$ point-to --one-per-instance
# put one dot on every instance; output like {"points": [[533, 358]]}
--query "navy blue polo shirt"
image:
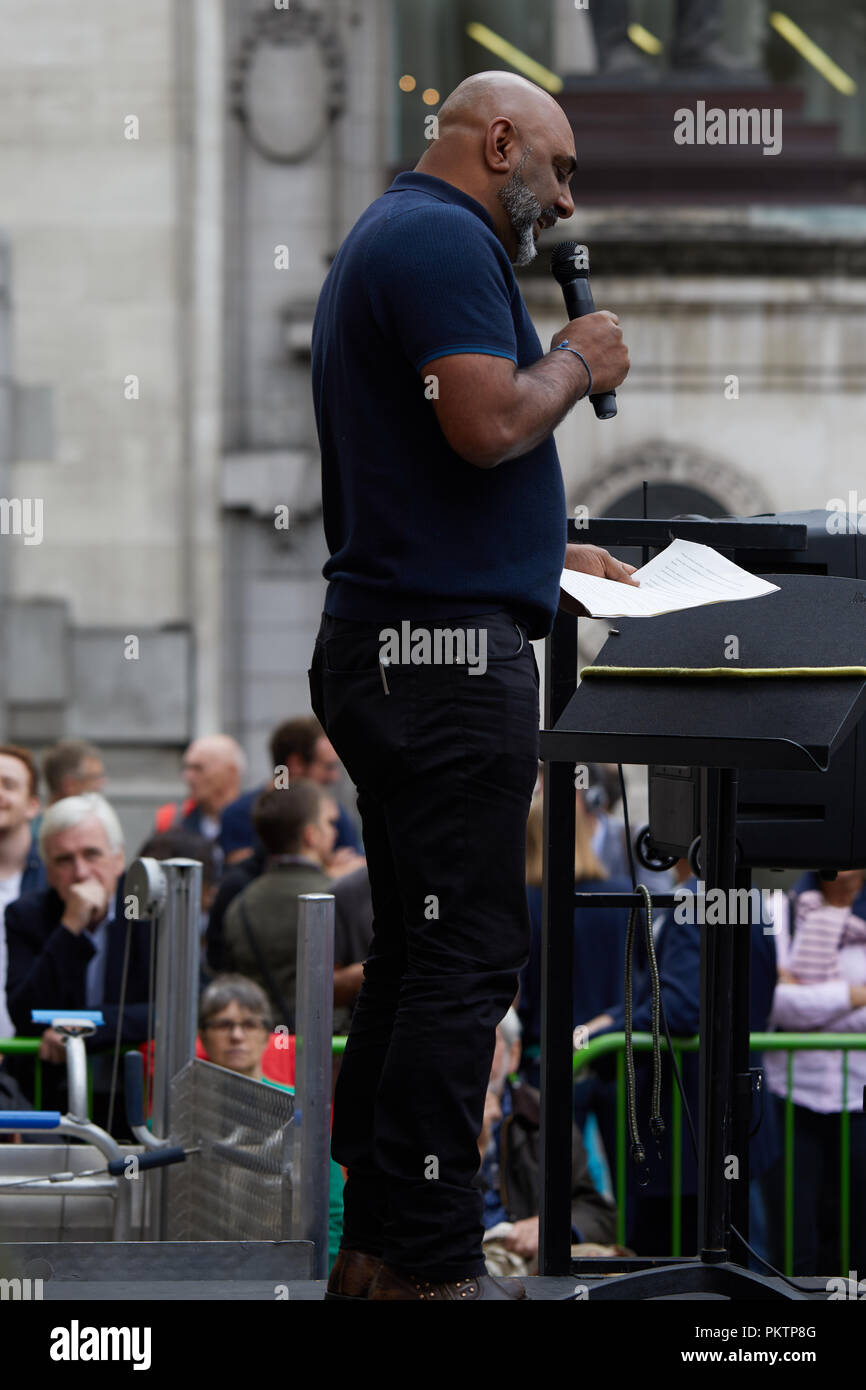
{"points": [[413, 530]]}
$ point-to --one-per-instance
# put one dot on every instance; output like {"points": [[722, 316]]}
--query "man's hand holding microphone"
{"points": [[598, 339]]}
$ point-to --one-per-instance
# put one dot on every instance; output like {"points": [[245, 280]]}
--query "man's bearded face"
{"points": [[523, 210]]}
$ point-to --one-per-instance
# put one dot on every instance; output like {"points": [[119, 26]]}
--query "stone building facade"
{"points": [[177, 177]]}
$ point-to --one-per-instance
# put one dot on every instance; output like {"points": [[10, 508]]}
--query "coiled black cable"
{"points": [[638, 1151]]}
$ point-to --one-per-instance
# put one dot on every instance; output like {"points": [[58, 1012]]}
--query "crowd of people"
{"points": [[66, 943]]}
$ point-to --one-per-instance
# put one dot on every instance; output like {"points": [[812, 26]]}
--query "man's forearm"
{"points": [[348, 980], [544, 394]]}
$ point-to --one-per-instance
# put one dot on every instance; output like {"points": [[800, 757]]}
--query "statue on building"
{"points": [[696, 47]]}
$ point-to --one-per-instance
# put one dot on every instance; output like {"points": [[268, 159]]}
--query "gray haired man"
{"points": [[66, 943]]}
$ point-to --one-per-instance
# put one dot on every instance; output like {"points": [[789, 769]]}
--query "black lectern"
{"points": [[719, 724]]}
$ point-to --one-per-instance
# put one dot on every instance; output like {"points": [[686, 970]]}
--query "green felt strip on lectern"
{"points": [[756, 672]]}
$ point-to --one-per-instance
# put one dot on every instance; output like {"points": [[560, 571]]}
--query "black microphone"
{"points": [[570, 265]]}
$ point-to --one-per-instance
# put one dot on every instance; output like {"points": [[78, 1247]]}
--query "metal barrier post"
{"points": [[170, 891], [177, 976], [76, 1078], [314, 1012]]}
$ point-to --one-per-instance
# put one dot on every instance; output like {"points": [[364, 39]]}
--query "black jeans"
{"points": [[445, 764]]}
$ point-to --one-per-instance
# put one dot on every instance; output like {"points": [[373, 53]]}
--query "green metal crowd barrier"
{"points": [[759, 1042], [29, 1047], [615, 1043]]}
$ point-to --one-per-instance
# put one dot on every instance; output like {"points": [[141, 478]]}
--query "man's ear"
{"points": [[499, 131]]}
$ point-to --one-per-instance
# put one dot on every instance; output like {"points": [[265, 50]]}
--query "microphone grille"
{"points": [[569, 261]]}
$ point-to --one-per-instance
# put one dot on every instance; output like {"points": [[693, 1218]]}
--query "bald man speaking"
{"points": [[444, 514]]}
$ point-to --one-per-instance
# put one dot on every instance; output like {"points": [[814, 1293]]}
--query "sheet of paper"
{"points": [[685, 575]]}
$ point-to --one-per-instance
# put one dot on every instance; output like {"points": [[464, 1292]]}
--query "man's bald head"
{"points": [[213, 767], [508, 144], [467, 112]]}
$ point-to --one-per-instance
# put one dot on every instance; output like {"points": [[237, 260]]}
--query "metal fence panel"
{"points": [[239, 1187]]}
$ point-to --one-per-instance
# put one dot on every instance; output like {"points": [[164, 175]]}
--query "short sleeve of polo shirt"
{"points": [[437, 288]]}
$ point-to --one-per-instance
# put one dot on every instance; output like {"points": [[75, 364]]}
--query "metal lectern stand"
{"points": [[719, 724]]}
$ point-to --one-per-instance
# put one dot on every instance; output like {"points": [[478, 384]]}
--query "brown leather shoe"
{"points": [[393, 1283], [352, 1275]]}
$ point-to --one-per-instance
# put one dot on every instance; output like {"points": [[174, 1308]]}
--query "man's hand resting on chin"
{"points": [[592, 559]]}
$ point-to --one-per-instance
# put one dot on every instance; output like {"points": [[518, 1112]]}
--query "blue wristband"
{"points": [[564, 344]]}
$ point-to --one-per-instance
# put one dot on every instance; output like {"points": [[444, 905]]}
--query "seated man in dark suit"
{"points": [[66, 943]]}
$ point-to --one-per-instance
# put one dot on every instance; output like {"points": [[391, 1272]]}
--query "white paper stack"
{"points": [[685, 575]]}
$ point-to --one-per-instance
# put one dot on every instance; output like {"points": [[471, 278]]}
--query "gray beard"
{"points": [[522, 209]]}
